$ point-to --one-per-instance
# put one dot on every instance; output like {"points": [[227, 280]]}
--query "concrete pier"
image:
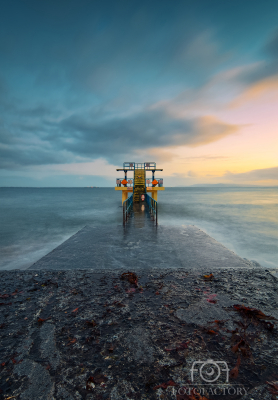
{"points": [[141, 245]]}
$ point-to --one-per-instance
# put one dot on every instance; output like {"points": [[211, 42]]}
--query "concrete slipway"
{"points": [[141, 245], [72, 328]]}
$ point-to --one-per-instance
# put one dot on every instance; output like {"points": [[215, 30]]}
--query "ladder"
{"points": [[139, 186]]}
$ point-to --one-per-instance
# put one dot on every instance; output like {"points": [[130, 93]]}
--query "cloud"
{"points": [[44, 135], [23, 153], [208, 129], [205, 157], [180, 179], [117, 82], [97, 167], [81, 80], [267, 67], [231, 88], [158, 154], [147, 129], [264, 174], [192, 174], [271, 46], [256, 90]]}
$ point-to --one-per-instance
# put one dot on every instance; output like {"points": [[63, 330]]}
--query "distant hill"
{"points": [[224, 185]]}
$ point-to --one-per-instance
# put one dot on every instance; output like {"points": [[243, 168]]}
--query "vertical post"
{"points": [[152, 177], [154, 195], [123, 214], [156, 214]]}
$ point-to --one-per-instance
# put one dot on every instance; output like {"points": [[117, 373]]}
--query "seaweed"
{"points": [[131, 277]]}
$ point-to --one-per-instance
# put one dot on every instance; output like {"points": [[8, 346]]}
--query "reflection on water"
{"points": [[138, 219]]}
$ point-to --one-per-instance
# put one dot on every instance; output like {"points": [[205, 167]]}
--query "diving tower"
{"points": [[139, 184]]}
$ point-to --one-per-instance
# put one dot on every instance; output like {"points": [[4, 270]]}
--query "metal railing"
{"points": [[133, 165], [152, 204], [129, 182], [127, 207], [128, 165], [149, 182], [139, 165], [150, 165]]}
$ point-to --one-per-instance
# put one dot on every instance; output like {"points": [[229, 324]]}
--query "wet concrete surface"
{"points": [[139, 245]]}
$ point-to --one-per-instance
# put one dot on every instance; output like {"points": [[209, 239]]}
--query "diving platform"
{"points": [[139, 184]]}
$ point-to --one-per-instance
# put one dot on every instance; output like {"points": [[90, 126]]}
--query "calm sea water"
{"points": [[36, 220]]}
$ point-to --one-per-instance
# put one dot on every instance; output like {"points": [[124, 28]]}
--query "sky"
{"points": [[87, 85]]}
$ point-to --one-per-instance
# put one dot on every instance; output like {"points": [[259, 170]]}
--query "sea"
{"points": [[33, 221]]}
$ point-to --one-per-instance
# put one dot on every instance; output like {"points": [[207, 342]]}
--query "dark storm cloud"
{"points": [[147, 129], [37, 136], [15, 156], [24, 137]]}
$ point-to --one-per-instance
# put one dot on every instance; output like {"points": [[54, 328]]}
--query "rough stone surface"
{"points": [[132, 341], [40, 385], [140, 346], [48, 348]]}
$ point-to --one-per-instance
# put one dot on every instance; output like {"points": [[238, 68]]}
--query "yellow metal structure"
{"points": [[125, 191], [153, 191], [149, 190], [139, 184]]}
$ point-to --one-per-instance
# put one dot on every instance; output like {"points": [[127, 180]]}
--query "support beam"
{"points": [[154, 194], [124, 196]]}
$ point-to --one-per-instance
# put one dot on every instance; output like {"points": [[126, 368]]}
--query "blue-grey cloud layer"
{"points": [[78, 78]]}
